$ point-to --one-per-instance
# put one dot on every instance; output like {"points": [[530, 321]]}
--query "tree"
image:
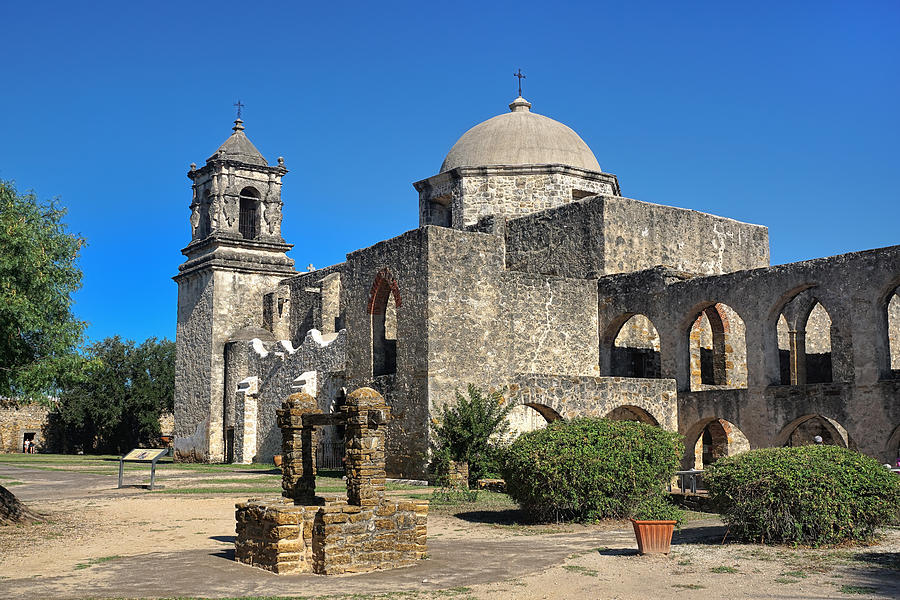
{"points": [[463, 431], [38, 274], [116, 405]]}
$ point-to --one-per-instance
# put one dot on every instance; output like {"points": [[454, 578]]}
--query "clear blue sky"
{"points": [[785, 114]]}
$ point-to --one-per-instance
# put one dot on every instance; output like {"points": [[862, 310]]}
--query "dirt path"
{"points": [[102, 542]]}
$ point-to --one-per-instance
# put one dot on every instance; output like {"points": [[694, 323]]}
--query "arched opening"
{"points": [[384, 300], [892, 450], [635, 350], [529, 417], [631, 413], [718, 349], [893, 327], [203, 225], [784, 350], [818, 345], [717, 439], [330, 448], [815, 429], [248, 218], [808, 338]]}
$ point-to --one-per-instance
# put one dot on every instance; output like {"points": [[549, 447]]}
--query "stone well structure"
{"points": [[305, 533]]}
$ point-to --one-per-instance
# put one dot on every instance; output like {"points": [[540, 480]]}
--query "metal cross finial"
{"points": [[521, 76], [239, 107]]}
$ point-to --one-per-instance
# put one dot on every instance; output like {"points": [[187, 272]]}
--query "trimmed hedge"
{"points": [[807, 495], [588, 469]]}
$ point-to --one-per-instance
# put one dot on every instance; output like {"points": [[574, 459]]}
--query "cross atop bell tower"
{"points": [[236, 254]]}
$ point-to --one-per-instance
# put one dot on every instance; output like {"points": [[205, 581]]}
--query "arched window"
{"points": [[818, 345], [893, 322], [805, 326], [718, 349], [784, 350], [248, 216], [384, 300], [635, 351]]}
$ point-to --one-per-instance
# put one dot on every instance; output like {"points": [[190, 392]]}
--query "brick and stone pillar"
{"points": [[367, 415], [298, 448]]}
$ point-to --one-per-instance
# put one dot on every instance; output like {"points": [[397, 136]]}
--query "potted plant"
{"points": [[654, 524]]}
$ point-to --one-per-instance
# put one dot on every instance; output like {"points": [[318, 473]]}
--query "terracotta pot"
{"points": [[653, 536], [277, 460]]}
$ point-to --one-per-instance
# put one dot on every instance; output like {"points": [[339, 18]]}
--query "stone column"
{"points": [[298, 449], [798, 357], [367, 416]]}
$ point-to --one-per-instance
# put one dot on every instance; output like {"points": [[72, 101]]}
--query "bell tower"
{"points": [[235, 256]]}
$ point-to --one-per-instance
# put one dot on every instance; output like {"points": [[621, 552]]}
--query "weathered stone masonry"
{"points": [[303, 533], [529, 270]]}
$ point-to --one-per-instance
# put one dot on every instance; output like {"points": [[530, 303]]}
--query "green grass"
{"points": [[688, 586], [857, 589], [786, 580], [96, 561], [580, 570], [723, 569]]}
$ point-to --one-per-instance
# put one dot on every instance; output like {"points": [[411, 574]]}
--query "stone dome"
{"points": [[520, 137]]}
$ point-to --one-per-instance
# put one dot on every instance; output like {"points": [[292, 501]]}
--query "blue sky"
{"points": [[783, 114]]}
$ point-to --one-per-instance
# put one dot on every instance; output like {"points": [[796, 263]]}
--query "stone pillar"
{"points": [[798, 357], [367, 416], [298, 449]]}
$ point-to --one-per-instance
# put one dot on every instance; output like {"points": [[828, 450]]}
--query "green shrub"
{"points": [[808, 495], [465, 430], [588, 469]]}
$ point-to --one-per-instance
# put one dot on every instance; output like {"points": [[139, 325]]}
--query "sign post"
{"points": [[144, 455]]}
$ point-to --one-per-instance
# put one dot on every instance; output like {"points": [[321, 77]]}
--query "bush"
{"points": [[809, 495], [588, 469], [464, 431]]}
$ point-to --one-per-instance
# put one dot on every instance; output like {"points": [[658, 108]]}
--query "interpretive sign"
{"points": [[150, 455]]}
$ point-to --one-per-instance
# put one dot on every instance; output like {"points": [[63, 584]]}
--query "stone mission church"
{"points": [[531, 270]]}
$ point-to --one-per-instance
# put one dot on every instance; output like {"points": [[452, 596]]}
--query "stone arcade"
{"points": [[529, 269]]}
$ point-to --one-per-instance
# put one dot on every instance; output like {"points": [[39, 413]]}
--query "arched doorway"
{"points": [[810, 429], [635, 349], [627, 412], [715, 439]]}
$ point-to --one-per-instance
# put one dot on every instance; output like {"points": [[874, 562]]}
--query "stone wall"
{"points": [[604, 234], [401, 264], [472, 193], [213, 307], [853, 287], [569, 397], [19, 422], [280, 369]]}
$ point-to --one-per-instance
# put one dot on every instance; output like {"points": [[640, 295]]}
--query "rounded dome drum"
{"points": [[520, 137]]}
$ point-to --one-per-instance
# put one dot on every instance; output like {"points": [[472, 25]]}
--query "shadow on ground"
{"points": [[509, 516]]}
